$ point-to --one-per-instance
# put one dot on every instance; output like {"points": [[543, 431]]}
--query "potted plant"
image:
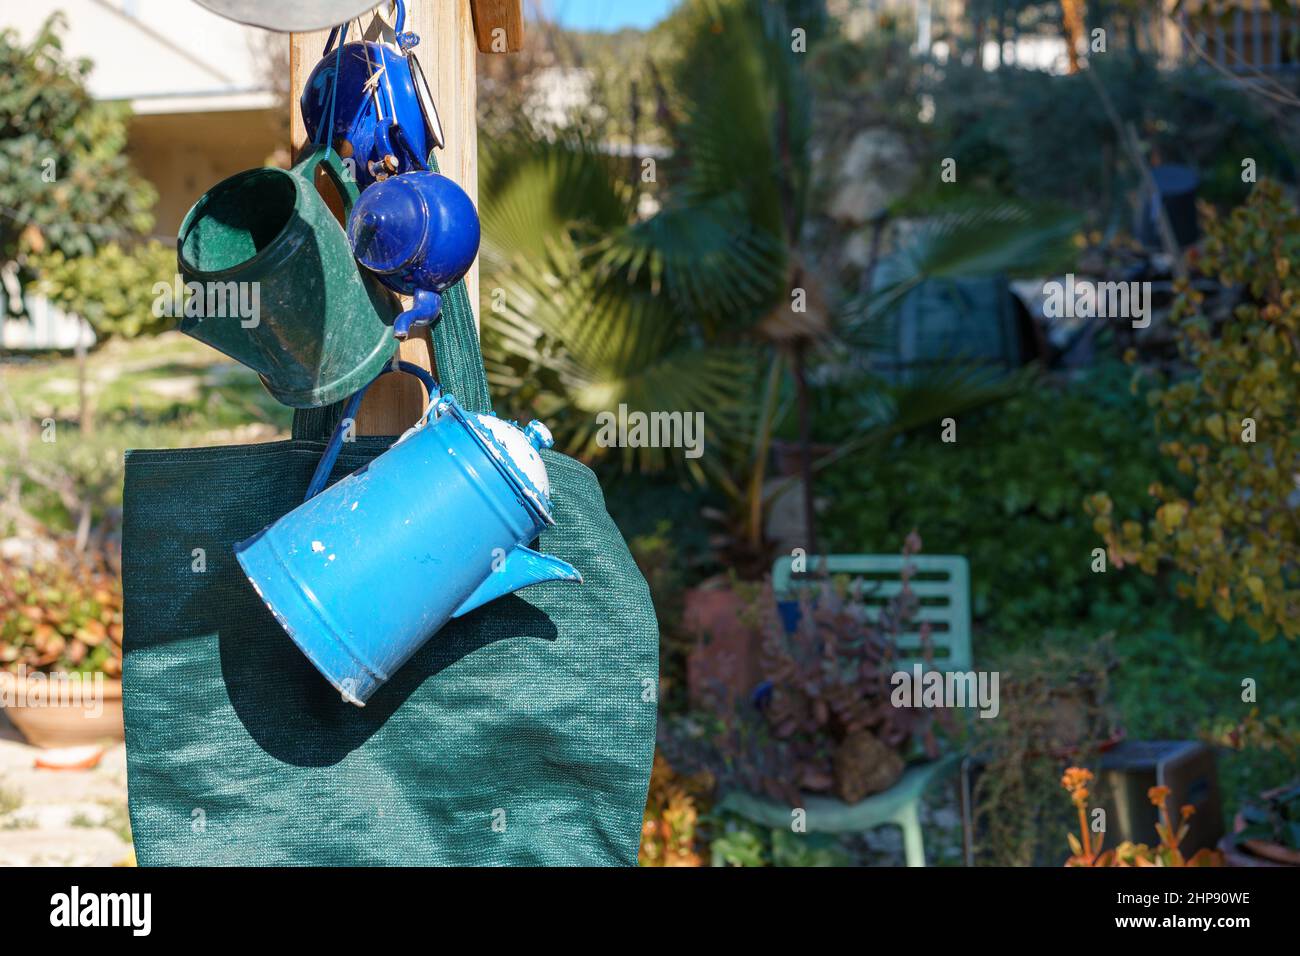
{"points": [[820, 719], [61, 648], [1267, 829]]}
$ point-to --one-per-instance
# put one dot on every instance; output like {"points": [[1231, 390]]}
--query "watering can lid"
{"points": [[516, 452], [289, 16]]}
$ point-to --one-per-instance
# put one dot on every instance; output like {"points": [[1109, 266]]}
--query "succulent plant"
{"points": [[62, 614], [821, 719]]}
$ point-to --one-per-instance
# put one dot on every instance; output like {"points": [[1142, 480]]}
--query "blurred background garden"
{"points": [[831, 226]]}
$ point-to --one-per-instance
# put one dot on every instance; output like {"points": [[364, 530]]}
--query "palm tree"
{"points": [[588, 305]]}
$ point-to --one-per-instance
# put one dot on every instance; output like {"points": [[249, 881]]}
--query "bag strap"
{"points": [[455, 350]]}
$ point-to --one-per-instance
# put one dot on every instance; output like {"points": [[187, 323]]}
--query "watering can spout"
{"points": [[522, 567]]}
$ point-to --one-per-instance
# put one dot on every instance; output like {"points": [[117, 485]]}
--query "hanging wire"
{"points": [[334, 88]]}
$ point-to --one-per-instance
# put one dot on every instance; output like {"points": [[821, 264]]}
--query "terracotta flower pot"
{"points": [[723, 667], [54, 710], [1235, 854], [1264, 852]]}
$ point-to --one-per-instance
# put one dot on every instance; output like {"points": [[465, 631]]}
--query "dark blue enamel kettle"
{"points": [[418, 233], [384, 118]]}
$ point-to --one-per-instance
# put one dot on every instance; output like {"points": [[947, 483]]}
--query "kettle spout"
{"points": [[522, 567]]}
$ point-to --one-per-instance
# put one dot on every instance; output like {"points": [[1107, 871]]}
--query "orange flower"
{"points": [[1075, 777], [1075, 780], [1187, 810], [1158, 796]]}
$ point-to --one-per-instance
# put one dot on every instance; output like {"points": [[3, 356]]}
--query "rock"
{"points": [[28, 551], [875, 169], [60, 817], [863, 766], [182, 388]]}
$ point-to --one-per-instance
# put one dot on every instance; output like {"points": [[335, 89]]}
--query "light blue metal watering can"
{"points": [[362, 574]]}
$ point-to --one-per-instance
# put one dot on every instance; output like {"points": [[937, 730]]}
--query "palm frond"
{"points": [[534, 189], [580, 346], [732, 76], [981, 239], [707, 257]]}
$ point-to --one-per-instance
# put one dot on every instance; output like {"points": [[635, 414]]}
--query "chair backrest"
{"points": [[941, 583]]}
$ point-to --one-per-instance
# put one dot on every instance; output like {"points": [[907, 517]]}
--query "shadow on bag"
{"points": [[518, 735]]}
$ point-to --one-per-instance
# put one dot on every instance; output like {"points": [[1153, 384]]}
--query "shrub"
{"points": [[1055, 706], [822, 718], [1228, 524], [111, 289], [65, 180], [1007, 495], [1183, 114]]}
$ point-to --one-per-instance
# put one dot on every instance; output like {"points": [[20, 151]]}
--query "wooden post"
{"points": [[499, 25], [447, 54]]}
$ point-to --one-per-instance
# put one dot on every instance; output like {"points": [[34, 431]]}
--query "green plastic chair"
{"points": [[942, 582]]}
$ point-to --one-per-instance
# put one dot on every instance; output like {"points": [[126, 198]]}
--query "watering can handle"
{"points": [[326, 465], [344, 182]]}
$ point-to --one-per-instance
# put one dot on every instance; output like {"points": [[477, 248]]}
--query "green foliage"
{"points": [[1275, 819], [1180, 676], [747, 123], [657, 557], [1017, 132], [638, 503], [807, 849], [568, 347], [112, 288], [738, 842], [51, 127], [590, 308], [158, 392], [974, 238], [536, 189], [1055, 708], [1007, 495], [1230, 527]]}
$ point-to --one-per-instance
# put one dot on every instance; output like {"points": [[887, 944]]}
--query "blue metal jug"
{"points": [[418, 233], [384, 118], [362, 574]]}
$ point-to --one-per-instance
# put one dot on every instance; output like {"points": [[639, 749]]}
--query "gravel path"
{"points": [[60, 817]]}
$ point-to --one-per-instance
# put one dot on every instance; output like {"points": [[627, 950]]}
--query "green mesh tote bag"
{"points": [[521, 734]]}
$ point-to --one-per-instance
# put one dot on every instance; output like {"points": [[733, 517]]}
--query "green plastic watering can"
{"points": [[313, 325]]}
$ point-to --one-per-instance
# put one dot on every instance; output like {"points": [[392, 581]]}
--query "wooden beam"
{"points": [[447, 54], [499, 25]]}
